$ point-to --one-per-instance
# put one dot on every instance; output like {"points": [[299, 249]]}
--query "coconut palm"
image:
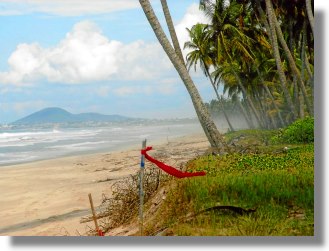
{"points": [[277, 57], [208, 125], [201, 54], [310, 13], [229, 40], [288, 54], [171, 29]]}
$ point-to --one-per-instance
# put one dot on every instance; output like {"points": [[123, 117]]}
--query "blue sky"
{"points": [[91, 56]]}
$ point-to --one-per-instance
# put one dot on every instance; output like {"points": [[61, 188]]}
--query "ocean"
{"points": [[32, 143]]}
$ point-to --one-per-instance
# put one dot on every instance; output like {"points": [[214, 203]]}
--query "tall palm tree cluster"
{"points": [[262, 52]]}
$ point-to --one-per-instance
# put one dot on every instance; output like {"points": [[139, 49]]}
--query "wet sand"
{"points": [[48, 198]]}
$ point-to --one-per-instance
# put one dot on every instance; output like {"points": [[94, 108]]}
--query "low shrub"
{"points": [[301, 131]]}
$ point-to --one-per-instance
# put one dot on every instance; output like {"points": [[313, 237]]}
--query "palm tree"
{"points": [[264, 68], [171, 29], [310, 14], [276, 54], [223, 74], [201, 46], [229, 40], [208, 125], [290, 58], [243, 37]]}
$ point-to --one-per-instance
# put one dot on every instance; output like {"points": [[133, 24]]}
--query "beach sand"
{"points": [[48, 198]]}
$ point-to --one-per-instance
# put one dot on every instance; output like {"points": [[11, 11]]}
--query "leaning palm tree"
{"points": [[201, 54], [214, 137], [289, 56], [229, 39], [171, 29], [276, 54], [310, 13]]}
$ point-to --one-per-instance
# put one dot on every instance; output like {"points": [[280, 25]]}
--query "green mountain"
{"points": [[59, 115]]}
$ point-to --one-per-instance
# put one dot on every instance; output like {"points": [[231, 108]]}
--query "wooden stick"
{"points": [[93, 212], [141, 193]]}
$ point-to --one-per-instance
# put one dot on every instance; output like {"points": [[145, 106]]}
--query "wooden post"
{"points": [[93, 212], [141, 193]]}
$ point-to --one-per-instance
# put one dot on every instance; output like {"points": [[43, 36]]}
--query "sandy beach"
{"points": [[48, 198]]}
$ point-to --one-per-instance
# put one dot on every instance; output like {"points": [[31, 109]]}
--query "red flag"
{"points": [[169, 169]]}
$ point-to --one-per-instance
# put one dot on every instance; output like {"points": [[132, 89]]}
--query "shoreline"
{"points": [[48, 197], [94, 152], [118, 146]]}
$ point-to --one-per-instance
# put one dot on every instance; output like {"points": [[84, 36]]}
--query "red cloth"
{"points": [[100, 233], [169, 169]]}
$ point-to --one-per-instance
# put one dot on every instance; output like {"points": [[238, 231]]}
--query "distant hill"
{"points": [[59, 115]]}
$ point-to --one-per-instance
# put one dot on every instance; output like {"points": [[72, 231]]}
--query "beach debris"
{"points": [[122, 205]]}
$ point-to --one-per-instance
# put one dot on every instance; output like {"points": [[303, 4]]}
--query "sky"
{"points": [[15, 32], [92, 56]]}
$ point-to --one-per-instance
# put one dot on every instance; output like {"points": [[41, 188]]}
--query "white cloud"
{"points": [[85, 55], [191, 17], [141, 61], [65, 7]]}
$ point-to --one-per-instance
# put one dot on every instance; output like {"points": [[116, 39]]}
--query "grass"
{"points": [[279, 185]]}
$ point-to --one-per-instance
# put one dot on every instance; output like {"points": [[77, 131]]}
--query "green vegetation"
{"points": [[262, 53], [279, 185], [301, 131]]}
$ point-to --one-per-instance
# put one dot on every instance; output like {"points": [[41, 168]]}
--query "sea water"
{"points": [[32, 143]]}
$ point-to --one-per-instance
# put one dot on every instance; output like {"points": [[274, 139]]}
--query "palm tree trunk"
{"points": [[268, 92], [278, 61], [262, 110], [310, 13], [171, 29], [305, 61], [251, 104], [263, 19], [208, 125], [274, 122], [308, 68], [290, 60], [225, 114], [301, 106], [296, 94], [244, 113], [301, 98], [220, 101]]}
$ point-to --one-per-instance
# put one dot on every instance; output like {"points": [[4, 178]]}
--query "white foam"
{"points": [[31, 138], [10, 158], [75, 146], [32, 145]]}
